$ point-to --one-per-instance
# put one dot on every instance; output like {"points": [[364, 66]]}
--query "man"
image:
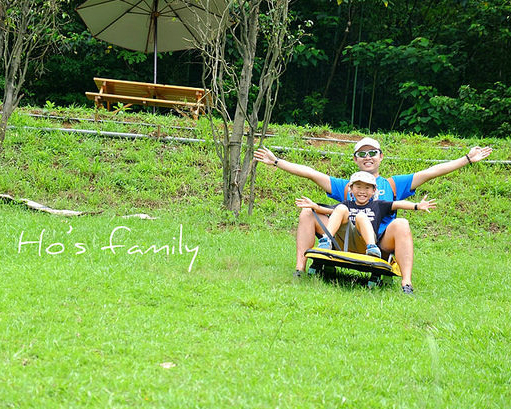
{"points": [[394, 235]]}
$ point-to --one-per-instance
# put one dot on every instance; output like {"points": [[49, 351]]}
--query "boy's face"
{"points": [[363, 192], [368, 163]]}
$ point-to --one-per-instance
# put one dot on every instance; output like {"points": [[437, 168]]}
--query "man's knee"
{"points": [[398, 231], [306, 215], [307, 218], [400, 226]]}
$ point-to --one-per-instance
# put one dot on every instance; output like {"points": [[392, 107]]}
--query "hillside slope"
{"points": [[91, 172]]}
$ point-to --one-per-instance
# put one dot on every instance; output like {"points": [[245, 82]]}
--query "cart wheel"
{"points": [[374, 281], [315, 268], [329, 270]]}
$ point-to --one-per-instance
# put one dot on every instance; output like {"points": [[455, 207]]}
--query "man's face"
{"points": [[368, 163], [363, 192]]}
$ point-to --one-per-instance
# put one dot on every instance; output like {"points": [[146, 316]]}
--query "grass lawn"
{"points": [[104, 330], [198, 310]]}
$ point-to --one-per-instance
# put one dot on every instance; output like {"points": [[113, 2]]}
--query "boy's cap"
{"points": [[363, 177], [367, 141]]}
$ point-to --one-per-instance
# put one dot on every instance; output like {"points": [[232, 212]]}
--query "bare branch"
{"points": [[247, 27], [28, 30]]}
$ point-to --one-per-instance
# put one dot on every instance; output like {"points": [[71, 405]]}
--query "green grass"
{"points": [[91, 330]]}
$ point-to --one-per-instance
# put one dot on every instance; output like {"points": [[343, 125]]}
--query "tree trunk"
{"points": [[9, 104], [3, 126], [372, 99], [245, 26], [24, 41], [3, 129], [338, 52], [354, 98], [2, 28], [397, 114], [233, 197]]}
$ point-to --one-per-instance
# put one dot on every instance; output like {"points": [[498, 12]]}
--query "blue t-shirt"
{"points": [[403, 191]]}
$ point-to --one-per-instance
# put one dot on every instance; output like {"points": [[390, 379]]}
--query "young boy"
{"points": [[362, 215]]}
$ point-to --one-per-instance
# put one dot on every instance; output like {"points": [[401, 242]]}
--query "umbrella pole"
{"points": [[155, 37], [155, 48]]}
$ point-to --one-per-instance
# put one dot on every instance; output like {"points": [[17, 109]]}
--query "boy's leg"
{"points": [[337, 218], [365, 228]]}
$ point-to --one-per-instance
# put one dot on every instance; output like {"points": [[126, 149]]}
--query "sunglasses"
{"points": [[363, 154]]}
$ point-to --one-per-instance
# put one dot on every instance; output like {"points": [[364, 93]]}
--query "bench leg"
{"points": [[195, 113]]}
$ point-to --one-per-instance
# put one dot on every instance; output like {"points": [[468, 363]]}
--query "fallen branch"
{"points": [[40, 207]]}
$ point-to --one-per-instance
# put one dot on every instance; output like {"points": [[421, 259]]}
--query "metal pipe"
{"points": [[195, 140]]}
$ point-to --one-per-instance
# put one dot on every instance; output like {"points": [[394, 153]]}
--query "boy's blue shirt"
{"points": [[403, 191]]}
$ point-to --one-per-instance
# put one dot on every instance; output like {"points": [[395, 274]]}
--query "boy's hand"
{"points": [[426, 204], [477, 153], [305, 202], [265, 155]]}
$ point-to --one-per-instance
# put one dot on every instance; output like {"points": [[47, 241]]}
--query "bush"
{"points": [[471, 113]]}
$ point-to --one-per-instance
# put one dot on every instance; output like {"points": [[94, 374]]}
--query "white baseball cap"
{"points": [[363, 177], [367, 141]]}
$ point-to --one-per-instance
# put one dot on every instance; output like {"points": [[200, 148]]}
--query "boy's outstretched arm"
{"points": [[424, 205], [475, 155], [267, 157], [306, 203]]}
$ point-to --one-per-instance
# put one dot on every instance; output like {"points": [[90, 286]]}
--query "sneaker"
{"points": [[325, 243], [298, 273], [373, 250], [407, 289]]}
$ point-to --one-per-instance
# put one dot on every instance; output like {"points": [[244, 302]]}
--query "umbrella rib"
{"points": [[188, 6], [120, 16], [153, 25], [83, 6], [141, 12], [175, 11], [167, 8]]}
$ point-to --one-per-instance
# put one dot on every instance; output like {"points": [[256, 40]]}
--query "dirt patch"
{"points": [[496, 228], [330, 138], [332, 135], [446, 144]]}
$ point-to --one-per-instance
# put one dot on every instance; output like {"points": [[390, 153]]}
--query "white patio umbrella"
{"points": [[152, 25]]}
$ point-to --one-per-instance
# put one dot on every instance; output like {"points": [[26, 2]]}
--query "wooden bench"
{"points": [[142, 93]]}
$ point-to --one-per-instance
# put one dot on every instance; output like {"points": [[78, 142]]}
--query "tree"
{"points": [[244, 60], [28, 29]]}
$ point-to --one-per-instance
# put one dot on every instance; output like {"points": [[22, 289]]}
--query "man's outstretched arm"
{"points": [[475, 155], [266, 156]]}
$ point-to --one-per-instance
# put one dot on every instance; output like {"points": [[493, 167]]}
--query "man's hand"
{"points": [[477, 153], [426, 204], [265, 155], [306, 203]]}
